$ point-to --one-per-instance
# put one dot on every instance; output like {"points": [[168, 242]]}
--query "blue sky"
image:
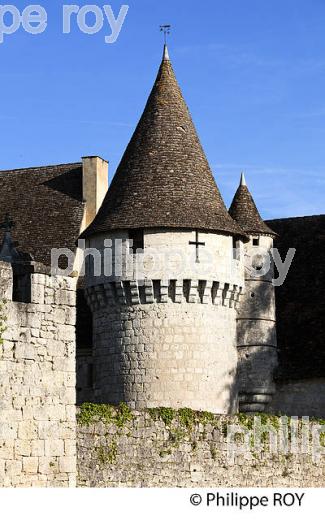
{"points": [[252, 73]]}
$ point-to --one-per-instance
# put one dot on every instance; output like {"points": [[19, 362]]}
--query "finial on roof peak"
{"points": [[166, 30], [166, 53], [242, 179]]}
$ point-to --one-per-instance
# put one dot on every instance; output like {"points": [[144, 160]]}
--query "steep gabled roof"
{"points": [[164, 179], [244, 211], [46, 205]]}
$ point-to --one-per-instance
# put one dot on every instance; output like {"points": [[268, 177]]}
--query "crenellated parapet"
{"points": [[139, 292]]}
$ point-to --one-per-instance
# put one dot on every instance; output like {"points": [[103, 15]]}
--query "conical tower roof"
{"points": [[164, 179], [244, 211]]}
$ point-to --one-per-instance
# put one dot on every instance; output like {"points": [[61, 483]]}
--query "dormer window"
{"points": [[256, 242], [136, 237]]}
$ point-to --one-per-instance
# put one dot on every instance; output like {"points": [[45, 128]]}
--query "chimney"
{"points": [[94, 184]]}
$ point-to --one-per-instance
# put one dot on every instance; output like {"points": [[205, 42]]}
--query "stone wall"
{"points": [[167, 355], [37, 383], [143, 451]]}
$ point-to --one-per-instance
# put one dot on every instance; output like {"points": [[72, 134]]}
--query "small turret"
{"points": [[244, 211], [256, 325]]}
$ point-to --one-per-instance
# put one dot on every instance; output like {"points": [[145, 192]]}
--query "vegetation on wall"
{"points": [[182, 426], [90, 413]]}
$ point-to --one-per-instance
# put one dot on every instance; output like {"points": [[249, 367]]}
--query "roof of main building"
{"points": [[46, 205], [164, 179], [300, 301], [243, 209]]}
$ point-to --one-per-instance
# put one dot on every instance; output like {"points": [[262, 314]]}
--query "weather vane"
{"points": [[166, 30]]}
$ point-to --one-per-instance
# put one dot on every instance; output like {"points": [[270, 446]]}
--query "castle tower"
{"points": [[256, 325], [165, 317]]}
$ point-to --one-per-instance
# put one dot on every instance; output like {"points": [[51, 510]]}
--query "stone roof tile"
{"points": [[46, 205], [164, 179], [244, 211]]}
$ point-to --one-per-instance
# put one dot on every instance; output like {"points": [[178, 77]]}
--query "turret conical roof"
{"points": [[244, 211], [164, 179]]}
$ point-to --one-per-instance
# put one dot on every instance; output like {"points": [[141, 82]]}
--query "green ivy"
{"points": [[322, 439], [167, 415], [107, 455], [91, 412], [186, 417]]}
